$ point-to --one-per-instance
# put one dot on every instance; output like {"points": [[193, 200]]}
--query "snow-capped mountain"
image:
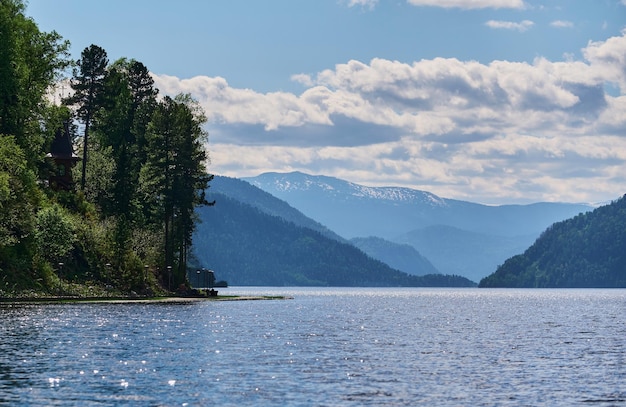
{"points": [[448, 232], [253, 238], [298, 181], [353, 210]]}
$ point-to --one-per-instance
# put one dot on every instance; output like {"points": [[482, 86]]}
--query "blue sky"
{"points": [[492, 101]]}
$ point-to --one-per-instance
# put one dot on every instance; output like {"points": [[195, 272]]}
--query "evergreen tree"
{"points": [[128, 98], [174, 176], [190, 178], [88, 86]]}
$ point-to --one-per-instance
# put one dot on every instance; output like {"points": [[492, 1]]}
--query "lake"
{"points": [[324, 347]]}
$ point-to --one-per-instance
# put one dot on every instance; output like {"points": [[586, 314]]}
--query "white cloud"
{"points": [[562, 24], [230, 105], [470, 4], [492, 132], [303, 79], [608, 59], [510, 25], [363, 3]]}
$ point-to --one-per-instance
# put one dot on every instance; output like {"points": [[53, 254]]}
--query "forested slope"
{"points": [[124, 220], [402, 257], [246, 246], [588, 250]]}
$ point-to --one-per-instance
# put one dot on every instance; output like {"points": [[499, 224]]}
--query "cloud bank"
{"points": [[461, 4], [498, 132], [470, 4]]}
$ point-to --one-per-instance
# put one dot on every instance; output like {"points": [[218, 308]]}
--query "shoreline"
{"points": [[136, 300]]}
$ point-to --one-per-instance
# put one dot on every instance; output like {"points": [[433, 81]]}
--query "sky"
{"points": [[488, 101]]}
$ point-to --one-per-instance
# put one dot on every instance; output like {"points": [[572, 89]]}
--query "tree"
{"points": [[55, 234], [190, 176], [119, 127], [143, 98], [30, 63], [129, 98], [174, 176], [117, 219], [88, 87], [19, 200]]}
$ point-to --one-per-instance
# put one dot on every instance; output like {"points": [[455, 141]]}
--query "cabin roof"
{"points": [[61, 145]]}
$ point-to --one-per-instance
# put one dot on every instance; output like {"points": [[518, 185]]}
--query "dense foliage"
{"points": [[588, 250], [247, 246], [142, 173]]}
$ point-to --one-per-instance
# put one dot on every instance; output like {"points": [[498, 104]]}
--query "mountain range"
{"points": [[456, 237], [252, 238]]}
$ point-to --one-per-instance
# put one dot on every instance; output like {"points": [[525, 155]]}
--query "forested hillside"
{"points": [[243, 191], [125, 219], [457, 237], [588, 250], [402, 257], [247, 246]]}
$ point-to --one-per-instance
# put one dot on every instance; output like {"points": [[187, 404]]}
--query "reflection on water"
{"points": [[324, 347]]}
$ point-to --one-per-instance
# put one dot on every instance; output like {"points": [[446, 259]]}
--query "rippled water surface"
{"points": [[352, 347]]}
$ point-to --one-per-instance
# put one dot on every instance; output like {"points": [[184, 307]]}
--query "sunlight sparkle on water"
{"points": [[349, 347]]}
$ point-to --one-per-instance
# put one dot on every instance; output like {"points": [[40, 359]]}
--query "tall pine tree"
{"points": [[88, 86], [174, 176], [119, 128]]}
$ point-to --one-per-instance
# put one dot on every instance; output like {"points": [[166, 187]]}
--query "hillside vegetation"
{"points": [[457, 237], [247, 246], [588, 250], [401, 257], [127, 225]]}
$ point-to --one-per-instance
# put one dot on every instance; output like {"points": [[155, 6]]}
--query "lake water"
{"points": [[324, 347]]}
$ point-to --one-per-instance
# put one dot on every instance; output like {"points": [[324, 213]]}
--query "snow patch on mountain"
{"points": [[297, 181]]}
